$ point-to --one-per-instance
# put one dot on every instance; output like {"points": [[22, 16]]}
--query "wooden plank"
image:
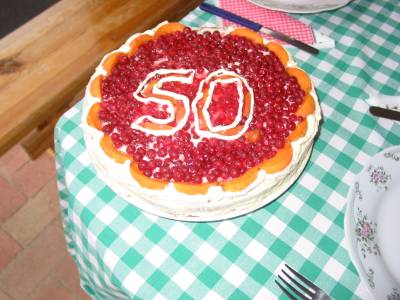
{"points": [[39, 141], [42, 66], [42, 138]]}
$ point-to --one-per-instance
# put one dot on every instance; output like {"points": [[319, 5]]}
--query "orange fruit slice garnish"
{"points": [[299, 131], [281, 160], [279, 51], [302, 78], [307, 107], [144, 181], [249, 34], [92, 117], [108, 147], [95, 86], [111, 61], [137, 42], [253, 136], [155, 126], [192, 188], [241, 182], [169, 28]]}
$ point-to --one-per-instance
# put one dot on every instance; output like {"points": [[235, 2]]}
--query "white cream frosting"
{"points": [[216, 204]]}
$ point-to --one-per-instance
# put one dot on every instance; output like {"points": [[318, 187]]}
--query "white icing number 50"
{"points": [[178, 105]]}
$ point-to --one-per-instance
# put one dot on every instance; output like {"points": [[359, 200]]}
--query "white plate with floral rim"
{"points": [[301, 6], [372, 224]]}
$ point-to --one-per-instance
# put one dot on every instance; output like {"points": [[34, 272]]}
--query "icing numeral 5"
{"points": [[178, 105]]}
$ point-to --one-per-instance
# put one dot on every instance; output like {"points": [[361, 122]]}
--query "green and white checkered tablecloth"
{"points": [[124, 253]]}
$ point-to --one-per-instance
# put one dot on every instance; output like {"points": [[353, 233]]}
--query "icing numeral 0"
{"points": [[178, 106], [202, 102]]}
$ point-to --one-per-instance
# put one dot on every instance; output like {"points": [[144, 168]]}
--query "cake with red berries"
{"points": [[199, 124]]}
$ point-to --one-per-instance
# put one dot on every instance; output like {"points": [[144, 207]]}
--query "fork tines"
{"points": [[305, 290]]}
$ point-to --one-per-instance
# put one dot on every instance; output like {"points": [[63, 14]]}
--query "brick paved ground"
{"points": [[34, 263]]}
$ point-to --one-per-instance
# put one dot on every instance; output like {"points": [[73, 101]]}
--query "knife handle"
{"points": [[230, 16], [385, 113]]}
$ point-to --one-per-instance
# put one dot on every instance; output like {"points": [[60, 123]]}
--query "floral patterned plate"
{"points": [[372, 224]]}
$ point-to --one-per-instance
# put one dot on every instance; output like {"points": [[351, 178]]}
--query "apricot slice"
{"points": [[148, 89], [202, 121], [253, 136], [169, 28], [192, 188], [231, 131], [179, 107], [281, 160], [137, 42], [155, 126], [200, 104], [240, 183], [249, 34], [202, 101], [144, 181], [302, 78], [223, 77], [95, 86], [279, 51], [246, 106], [92, 117], [299, 131], [111, 60], [307, 107], [108, 147], [179, 112]]}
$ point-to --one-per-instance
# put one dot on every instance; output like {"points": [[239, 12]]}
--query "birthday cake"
{"points": [[199, 124]]}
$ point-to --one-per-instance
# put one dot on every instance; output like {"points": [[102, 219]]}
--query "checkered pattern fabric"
{"points": [[124, 253]]}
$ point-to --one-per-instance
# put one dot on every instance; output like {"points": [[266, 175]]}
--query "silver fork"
{"points": [[305, 290]]}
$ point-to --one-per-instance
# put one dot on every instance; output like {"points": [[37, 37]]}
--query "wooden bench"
{"points": [[46, 63]]}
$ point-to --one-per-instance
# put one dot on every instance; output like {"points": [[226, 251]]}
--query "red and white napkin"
{"points": [[279, 21]]}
